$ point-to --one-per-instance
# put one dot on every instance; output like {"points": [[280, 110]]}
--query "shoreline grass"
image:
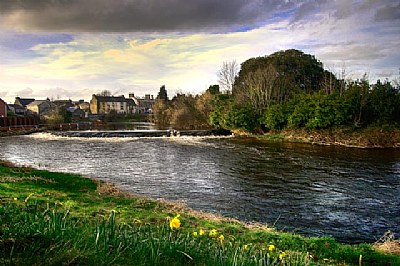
{"points": [[49, 218], [371, 137]]}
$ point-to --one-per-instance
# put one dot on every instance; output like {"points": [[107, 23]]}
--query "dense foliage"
{"points": [[287, 89]]}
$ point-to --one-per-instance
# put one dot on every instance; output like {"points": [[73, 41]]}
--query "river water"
{"points": [[350, 194]]}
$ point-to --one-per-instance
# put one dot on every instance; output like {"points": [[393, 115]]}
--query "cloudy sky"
{"points": [[75, 48]]}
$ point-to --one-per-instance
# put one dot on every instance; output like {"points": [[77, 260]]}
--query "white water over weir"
{"points": [[141, 133]]}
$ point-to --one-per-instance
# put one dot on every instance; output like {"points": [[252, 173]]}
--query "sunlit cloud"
{"points": [[67, 60]]}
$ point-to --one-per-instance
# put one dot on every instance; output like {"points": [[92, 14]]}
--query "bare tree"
{"points": [[259, 89], [227, 74], [105, 93]]}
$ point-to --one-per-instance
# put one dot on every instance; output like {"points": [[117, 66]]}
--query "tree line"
{"points": [[287, 89]]}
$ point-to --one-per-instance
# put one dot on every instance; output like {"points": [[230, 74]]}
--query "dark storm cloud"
{"points": [[139, 15], [389, 12]]}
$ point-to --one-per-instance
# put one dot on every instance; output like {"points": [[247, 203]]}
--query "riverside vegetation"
{"points": [[289, 93], [49, 218]]}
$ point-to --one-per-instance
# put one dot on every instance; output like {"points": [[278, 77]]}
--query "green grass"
{"points": [[51, 218]]}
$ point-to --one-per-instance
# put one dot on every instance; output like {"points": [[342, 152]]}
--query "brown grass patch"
{"points": [[388, 244], [104, 188]]}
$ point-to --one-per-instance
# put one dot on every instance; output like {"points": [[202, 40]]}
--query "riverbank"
{"points": [[20, 132], [372, 137], [49, 218]]}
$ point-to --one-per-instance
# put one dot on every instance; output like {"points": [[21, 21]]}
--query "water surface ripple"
{"points": [[350, 194]]}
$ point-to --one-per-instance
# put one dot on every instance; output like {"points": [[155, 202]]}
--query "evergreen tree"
{"points": [[162, 94]]}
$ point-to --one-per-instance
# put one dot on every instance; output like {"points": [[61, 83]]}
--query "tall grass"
{"points": [[33, 235]]}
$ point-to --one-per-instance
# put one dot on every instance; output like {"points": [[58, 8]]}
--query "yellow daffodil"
{"points": [[282, 255], [201, 232], [213, 233], [221, 238], [175, 223], [194, 234], [271, 248]]}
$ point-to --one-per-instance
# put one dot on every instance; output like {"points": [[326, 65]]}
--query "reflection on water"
{"points": [[351, 194]]}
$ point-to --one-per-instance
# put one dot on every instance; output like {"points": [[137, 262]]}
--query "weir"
{"points": [[141, 133]]}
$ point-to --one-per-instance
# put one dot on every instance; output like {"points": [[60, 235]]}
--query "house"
{"points": [[145, 105], [23, 101], [76, 113], [105, 104], [85, 106], [63, 103], [3, 108], [40, 106], [17, 109]]}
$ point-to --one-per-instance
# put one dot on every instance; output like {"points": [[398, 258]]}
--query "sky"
{"points": [[71, 49]]}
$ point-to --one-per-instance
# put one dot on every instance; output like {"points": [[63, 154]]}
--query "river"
{"points": [[350, 194]]}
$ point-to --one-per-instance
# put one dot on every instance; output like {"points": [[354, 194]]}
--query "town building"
{"points": [[145, 105], [105, 104], [3, 108], [85, 106], [40, 107], [17, 109], [23, 101]]}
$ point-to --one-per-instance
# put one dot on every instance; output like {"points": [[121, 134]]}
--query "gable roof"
{"points": [[23, 101], [38, 102], [16, 107]]}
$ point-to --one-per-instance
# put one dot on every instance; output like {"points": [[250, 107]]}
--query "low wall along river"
{"points": [[350, 194]]}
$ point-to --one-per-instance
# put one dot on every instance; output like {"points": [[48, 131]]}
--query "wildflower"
{"points": [[271, 248], [138, 221], [194, 234], [213, 233], [15, 199], [282, 255], [201, 232], [175, 223], [27, 198], [245, 247], [221, 238]]}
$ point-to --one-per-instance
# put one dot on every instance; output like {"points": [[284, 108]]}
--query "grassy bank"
{"points": [[51, 218], [371, 137]]}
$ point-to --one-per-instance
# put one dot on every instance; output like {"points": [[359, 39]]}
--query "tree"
{"points": [[161, 113], [227, 74], [58, 115], [162, 94], [383, 106], [213, 89], [295, 70], [105, 93], [258, 89]]}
